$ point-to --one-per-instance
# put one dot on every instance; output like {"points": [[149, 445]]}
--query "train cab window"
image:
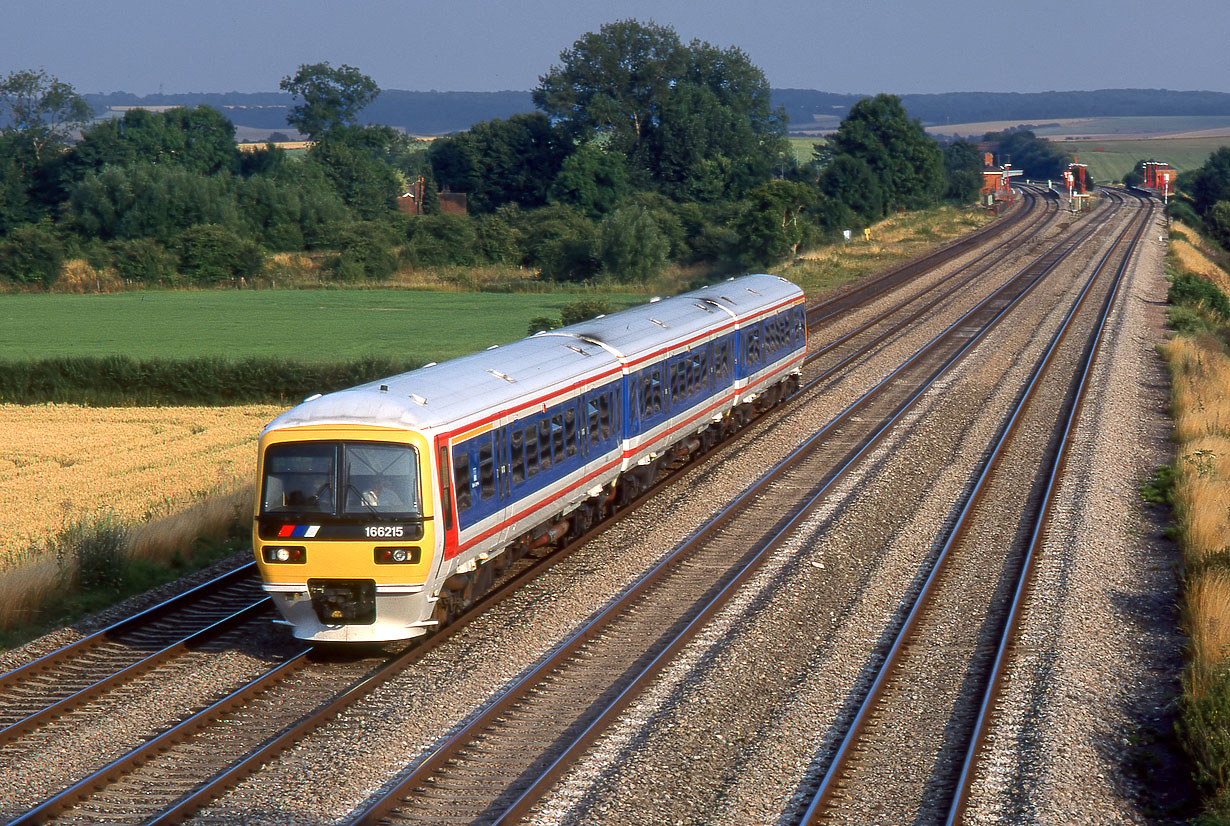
{"points": [[380, 479], [486, 470], [531, 451], [461, 478], [299, 477], [570, 430], [595, 434], [516, 456], [544, 444]]}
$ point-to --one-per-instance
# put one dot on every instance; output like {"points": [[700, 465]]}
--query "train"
{"points": [[384, 510]]}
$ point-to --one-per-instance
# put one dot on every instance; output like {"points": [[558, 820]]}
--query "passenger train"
{"points": [[383, 510]]}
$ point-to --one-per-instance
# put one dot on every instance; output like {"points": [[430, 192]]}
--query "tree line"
{"points": [[646, 151]]}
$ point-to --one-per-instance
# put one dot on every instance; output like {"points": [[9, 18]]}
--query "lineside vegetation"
{"points": [[1197, 486]]}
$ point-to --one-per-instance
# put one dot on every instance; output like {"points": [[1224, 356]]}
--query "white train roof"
{"points": [[499, 379]]}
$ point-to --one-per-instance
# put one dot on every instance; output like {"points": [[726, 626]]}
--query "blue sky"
{"points": [[870, 46]]}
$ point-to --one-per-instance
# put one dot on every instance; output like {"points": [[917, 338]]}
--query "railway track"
{"points": [[911, 748], [347, 680], [499, 765]]}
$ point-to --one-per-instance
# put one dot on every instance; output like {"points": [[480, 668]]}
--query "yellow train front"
{"points": [[344, 537], [383, 510]]}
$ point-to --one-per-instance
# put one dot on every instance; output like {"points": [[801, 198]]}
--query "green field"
{"points": [[305, 325], [1110, 160]]}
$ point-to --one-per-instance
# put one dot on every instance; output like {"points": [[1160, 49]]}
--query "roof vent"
{"points": [[655, 299], [703, 307], [417, 399], [430, 364], [493, 346], [577, 349], [662, 324], [753, 292], [312, 397], [384, 388], [500, 375]]}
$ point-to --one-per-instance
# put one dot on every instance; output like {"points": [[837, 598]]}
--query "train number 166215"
{"points": [[385, 531]]}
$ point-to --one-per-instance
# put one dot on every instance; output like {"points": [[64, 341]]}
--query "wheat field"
{"points": [[60, 462]]}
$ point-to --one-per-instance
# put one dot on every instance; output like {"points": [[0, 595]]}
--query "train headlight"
{"points": [[397, 556], [285, 554]]}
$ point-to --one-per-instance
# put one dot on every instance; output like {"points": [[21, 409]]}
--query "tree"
{"points": [[31, 254], [631, 246], [1217, 221], [351, 159], [501, 161], [42, 109], [850, 181], [200, 139], [1210, 184], [332, 97], [905, 160], [770, 226], [694, 121], [591, 179], [963, 170]]}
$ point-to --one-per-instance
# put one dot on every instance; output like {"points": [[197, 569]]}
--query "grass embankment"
{"points": [[1198, 486], [101, 503]]}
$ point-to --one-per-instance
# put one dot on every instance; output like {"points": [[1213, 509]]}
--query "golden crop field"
{"points": [[60, 462]]}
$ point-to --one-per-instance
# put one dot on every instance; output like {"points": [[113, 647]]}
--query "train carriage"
{"points": [[385, 509]]}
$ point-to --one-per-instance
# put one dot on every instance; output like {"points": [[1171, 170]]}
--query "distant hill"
{"points": [[439, 113]]}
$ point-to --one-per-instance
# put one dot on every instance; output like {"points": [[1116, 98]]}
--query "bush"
{"points": [[92, 553], [143, 260], [583, 309], [32, 255], [211, 254], [441, 241], [1182, 211], [1191, 289], [365, 251]]}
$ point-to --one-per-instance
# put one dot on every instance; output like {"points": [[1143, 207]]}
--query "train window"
{"points": [[721, 360], [516, 451], [752, 352], [570, 429], [591, 404], [702, 368], [461, 478], [446, 489], [531, 451], [616, 414], [604, 415], [299, 477], [544, 444], [380, 479], [486, 470], [557, 436], [653, 392]]}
